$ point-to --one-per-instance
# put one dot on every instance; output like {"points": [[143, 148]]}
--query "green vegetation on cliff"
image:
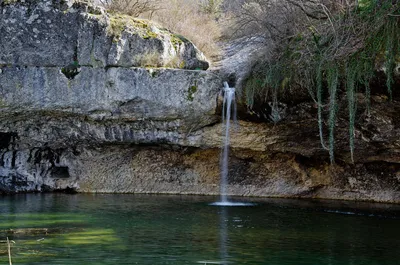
{"points": [[342, 52]]}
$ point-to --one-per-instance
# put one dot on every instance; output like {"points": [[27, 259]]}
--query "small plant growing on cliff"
{"points": [[71, 70], [191, 91], [119, 23]]}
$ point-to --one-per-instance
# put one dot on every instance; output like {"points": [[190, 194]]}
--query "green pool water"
{"points": [[145, 229]]}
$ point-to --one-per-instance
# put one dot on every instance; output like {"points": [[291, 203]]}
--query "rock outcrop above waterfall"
{"points": [[69, 73], [51, 33]]}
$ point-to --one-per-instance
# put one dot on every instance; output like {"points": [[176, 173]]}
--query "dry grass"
{"points": [[186, 18], [175, 62], [149, 59]]}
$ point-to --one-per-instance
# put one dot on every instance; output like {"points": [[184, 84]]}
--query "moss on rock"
{"points": [[119, 23], [191, 91]]}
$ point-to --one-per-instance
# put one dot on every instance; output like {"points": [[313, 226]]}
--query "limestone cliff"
{"points": [[96, 102], [73, 77]]}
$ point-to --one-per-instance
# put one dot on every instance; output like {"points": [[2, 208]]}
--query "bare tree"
{"points": [[131, 7], [212, 7], [280, 19]]}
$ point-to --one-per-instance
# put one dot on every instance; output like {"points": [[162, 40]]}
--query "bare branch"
{"points": [[131, 7]]}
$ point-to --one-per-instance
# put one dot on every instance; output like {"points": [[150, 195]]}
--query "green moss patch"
{"points": [[119, 23], [191, 91]]}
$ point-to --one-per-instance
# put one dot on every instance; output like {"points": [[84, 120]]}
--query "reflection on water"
{"points": [[131, 229], [223, 231], [223, 226]]}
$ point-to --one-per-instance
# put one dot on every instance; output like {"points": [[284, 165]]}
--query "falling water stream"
{"points": [[228, 113], [229, 97]]}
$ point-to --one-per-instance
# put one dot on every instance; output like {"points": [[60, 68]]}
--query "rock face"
{"points": [[56, 33], [78, 113], [69, 80]]}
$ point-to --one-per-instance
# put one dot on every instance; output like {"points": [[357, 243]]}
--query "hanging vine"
{"points": [[333, 81], [351, 75], [342, 52]]}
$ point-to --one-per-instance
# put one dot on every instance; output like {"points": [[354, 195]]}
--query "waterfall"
{"points": [[229, 98], [228, 112]]}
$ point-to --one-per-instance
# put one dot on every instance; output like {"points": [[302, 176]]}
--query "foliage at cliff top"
{"points": [[339, 52]]}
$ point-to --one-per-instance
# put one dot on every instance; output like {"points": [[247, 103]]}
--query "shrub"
{"points": [[340, 49]]}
